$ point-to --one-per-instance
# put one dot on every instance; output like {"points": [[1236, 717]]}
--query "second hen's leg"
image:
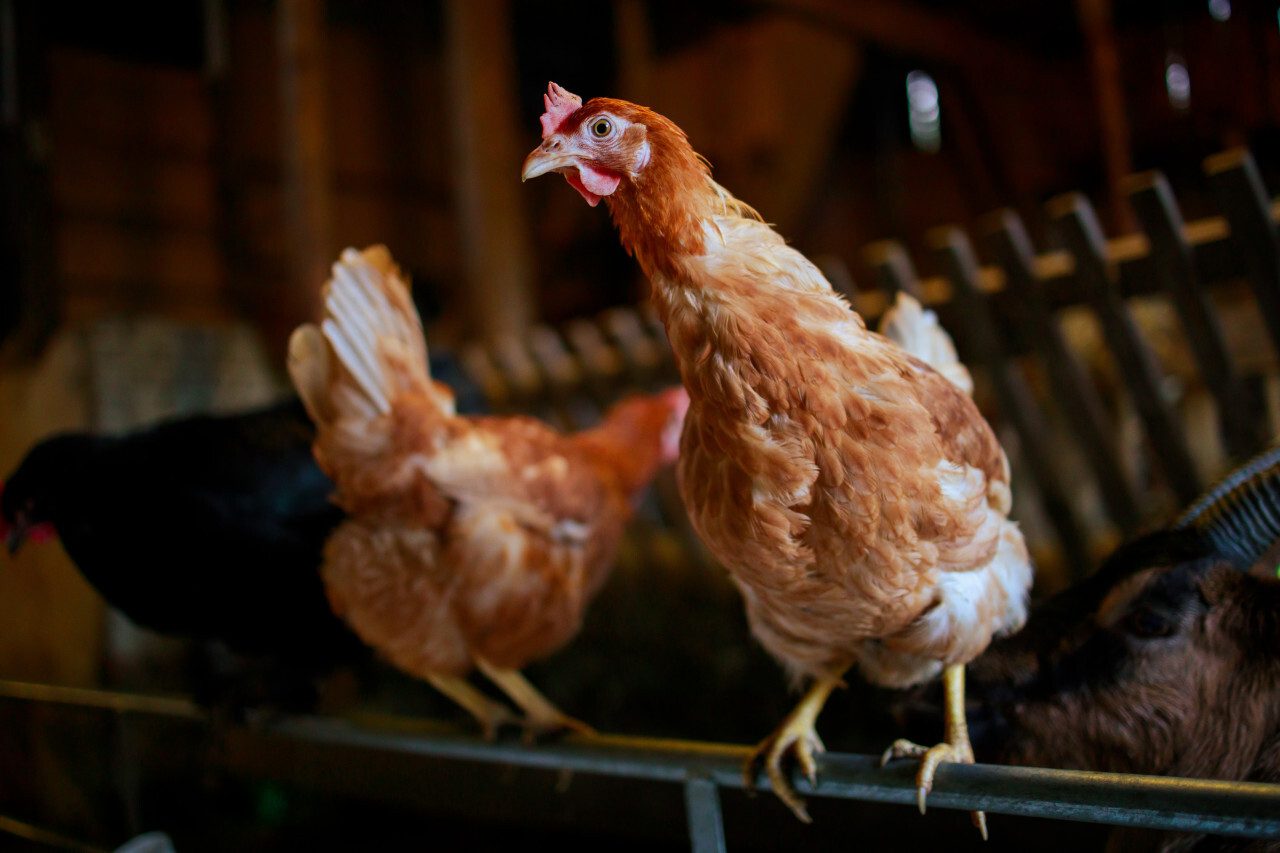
{"points": [[541, 717], [797, 735], [489, 714], [955, 746]]}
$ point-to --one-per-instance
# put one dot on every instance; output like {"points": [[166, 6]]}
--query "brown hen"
{"points": [[856, 496], [471, 541]]}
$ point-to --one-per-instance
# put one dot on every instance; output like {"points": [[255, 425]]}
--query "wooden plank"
{"points": [[984, 341], [154, 259], [1007, 240], [89, 181], [1244, 202], [486, 153], [128, 107], [1073, 218], [1240, 414]]}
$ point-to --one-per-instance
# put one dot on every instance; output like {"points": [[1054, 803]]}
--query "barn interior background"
{"points": [[179, 177]]}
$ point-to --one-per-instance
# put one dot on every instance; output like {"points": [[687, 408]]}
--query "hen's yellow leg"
{"points": [[955, 746], [541, 717], [488, 713], [796, 735]]}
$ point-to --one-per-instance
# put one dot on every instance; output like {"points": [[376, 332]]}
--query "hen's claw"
{"points": [[543, 726], [489, 714], [932, 757], [541, 716], [956, 748], [797, 736]]}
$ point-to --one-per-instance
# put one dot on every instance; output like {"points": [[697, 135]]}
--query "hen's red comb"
{"points": [[560, 104]]}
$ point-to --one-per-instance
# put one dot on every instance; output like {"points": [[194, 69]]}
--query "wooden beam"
{"points": [[1104, 56], [634, 39], [304, 128], [913, 29], [486, 157]]}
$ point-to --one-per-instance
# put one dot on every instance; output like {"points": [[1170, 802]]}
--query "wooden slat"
{"points": [[1075, 221], [894, 270], [1215, 258], [1007, 240], [1243, 199], [1017, 402], [1240, 414]]}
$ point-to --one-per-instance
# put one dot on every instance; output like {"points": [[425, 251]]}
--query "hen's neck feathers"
{"points": [[627, 443], [751, 321], [661, 214]]}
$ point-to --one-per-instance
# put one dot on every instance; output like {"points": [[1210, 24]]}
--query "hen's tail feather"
{"points": [[916, 329], [369, 347]]}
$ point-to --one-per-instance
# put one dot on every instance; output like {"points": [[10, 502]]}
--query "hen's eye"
{"points": [[601, 127], [1145, 623]]}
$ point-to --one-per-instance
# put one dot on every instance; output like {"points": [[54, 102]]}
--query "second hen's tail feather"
{"points": [[916, 329], [368, 349]]}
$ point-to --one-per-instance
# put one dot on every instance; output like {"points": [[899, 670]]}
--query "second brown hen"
{"points": [[472, 542]]}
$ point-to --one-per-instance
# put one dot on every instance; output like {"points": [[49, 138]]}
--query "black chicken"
{"points": [[207, 527]]}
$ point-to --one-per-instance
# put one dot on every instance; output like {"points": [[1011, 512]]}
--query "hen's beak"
{"points": [[553, 155], [17, 534]]}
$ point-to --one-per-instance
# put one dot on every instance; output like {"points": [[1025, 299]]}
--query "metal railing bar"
{"points": [[45, 837], [706, 824], [85, 697], [1249, 809]]}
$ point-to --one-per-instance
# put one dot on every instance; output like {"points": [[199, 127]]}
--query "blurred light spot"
{"points": [[1178, 82], [924, 114], [1220, 9]]}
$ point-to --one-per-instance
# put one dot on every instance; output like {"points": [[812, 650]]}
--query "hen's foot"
{"points": [[489, 714], [541, 717], [955, 748], [798, 737]]}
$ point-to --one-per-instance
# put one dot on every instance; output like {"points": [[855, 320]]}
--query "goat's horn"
{"points": [[1240, 517]]}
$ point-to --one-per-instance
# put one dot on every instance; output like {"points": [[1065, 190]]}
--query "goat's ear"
{"points": [[1247, 609]]}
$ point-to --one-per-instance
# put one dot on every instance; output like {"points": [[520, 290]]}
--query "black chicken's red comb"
{"points": [[37, 533]]}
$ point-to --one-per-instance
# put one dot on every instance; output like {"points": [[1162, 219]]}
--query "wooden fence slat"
{"points": [[1007, 241], [1240, 415], [1244, 202], [893, 268], [984, 341], [1072, 215]]}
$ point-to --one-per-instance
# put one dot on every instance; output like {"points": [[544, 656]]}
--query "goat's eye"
{"points": [[601, 127], [1148, 624]]}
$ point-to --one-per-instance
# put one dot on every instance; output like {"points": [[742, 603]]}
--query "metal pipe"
{"points": [[1249, 809]]}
